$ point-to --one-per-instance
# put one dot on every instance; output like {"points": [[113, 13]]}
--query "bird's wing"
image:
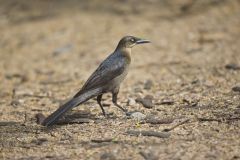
{"points": [[108, 70]]}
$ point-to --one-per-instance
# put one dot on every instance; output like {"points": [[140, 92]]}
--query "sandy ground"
{"points": [[48, 50]]}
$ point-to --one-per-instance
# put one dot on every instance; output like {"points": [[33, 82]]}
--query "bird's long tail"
{"points": [[51, 119]]}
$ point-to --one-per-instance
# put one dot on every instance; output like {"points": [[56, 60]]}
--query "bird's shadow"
{"points": [[77, 117]]}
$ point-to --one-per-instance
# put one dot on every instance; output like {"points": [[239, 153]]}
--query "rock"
{"points": [[232, 66], [148, 97], [146, 101], [138, 90], [107, 156], [148, 155], [15, 103], [237, 111], [196, 81], [236, 88], [131, 102], [166, 102], [138, 116], [22, 92], [40, 118], [148, 84]]}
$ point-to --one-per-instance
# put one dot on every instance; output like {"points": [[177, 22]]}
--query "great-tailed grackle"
{"points": [[106, 78]]}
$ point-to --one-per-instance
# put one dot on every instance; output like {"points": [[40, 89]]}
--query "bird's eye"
{"points": [[132, 40]]}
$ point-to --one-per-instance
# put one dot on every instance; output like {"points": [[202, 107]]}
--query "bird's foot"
{"points": [[120, 107]]}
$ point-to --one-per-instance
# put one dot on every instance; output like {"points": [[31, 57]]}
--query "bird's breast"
{"points": [[115, 83]]}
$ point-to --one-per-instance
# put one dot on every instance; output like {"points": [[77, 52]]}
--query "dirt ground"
{"points": [[49, 48]]}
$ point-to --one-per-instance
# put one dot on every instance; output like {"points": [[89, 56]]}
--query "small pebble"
{"points": [[40, 118], [232, 66], [166, 102], [236, 88], [131, 102], [138, 116], [22, 92], [146, 101], [137, 90], [148, 84], [15, 103]]}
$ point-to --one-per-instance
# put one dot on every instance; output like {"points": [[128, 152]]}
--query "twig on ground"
{"points": [[50, 82], [149, 133], [218, 120], [181, 123], [73, 121], [102, 140], [159, 121]]}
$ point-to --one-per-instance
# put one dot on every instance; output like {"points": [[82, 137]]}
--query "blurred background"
{"points": [[62, 29], [62, 36], [49, 48]]}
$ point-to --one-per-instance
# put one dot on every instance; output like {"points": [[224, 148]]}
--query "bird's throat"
{"points": [[127, 53]]}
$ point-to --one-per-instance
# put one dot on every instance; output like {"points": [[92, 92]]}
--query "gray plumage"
{"points": [[106, 78]]}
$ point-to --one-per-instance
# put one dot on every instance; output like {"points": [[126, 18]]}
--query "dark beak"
{"points": [[140, 41]]}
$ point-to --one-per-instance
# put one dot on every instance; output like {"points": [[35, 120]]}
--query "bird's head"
{"points": [[130, 41]]}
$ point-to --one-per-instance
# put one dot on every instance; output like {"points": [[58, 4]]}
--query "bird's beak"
{"points": [[140, 41]]}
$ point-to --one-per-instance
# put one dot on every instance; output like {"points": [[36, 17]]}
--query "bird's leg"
{"points": [[114, 100], [99, 98]]}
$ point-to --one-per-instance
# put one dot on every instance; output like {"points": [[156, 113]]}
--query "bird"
{"points": [[107, 78]]}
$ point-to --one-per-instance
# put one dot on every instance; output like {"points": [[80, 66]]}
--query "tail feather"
{"points": [[50, 120]]}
